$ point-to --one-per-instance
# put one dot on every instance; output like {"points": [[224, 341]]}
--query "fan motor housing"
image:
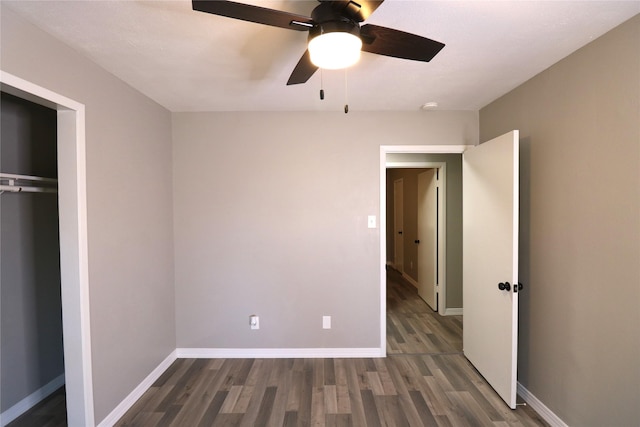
{"points": [[334, 27]]}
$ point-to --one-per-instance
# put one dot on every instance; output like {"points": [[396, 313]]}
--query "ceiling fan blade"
{"points": [[358, 11], [398, 44], [303, 71], [260, 15]]}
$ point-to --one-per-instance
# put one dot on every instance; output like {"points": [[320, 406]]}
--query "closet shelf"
{"points": [[27, 183]]}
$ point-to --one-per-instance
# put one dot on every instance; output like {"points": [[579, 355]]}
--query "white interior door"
{"points": [[490, 257], [398, 224], [427, 237]]}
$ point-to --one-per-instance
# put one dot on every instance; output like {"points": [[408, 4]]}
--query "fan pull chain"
{"points": [[346, 92], [321, 86]]}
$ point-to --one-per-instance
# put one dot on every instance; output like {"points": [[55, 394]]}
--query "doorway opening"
{"points": [[407, 157], [74, 272], [31, 339], [417, 223]]}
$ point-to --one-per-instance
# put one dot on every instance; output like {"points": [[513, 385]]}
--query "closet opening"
{"points": [[73, 249], [31, 334]]}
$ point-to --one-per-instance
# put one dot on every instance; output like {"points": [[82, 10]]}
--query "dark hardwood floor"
{"points": [[51, 412], [412, 327], [424, 381]]}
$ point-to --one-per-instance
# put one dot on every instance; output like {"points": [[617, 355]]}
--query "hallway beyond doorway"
{"points": [[412, 327]]}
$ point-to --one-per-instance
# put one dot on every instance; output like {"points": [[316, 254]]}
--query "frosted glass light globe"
{"points": [[335, 50]]}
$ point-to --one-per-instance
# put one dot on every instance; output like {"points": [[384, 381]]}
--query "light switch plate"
{"points": [[254, 322], [371, 221]]}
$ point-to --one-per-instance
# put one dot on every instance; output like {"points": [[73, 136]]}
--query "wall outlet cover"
{"points": [[326, 322]]}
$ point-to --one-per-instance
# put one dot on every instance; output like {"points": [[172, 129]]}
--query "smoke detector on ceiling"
{"points": [[429, 105]]}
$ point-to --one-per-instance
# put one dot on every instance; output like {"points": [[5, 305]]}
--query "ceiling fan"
{"points": [[335, 35]]}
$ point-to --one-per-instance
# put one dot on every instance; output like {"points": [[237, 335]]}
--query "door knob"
{"points": [[399, 232], [416, 241], [504, 286]]}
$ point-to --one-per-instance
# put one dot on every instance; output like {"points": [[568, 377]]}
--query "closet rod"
{"points": [[27, 189], [4, 176], [27, 183]]}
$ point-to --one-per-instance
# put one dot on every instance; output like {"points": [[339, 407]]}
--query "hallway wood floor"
{"points": [[424, 381], [412, 327]]}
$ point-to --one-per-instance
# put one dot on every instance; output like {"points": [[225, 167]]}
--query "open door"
{"points": [[428, 237], [398, 225], [490, 261]]}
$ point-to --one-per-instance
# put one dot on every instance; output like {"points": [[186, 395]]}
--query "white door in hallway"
{"points": [[398, 224], [490, 261], [427, 237]]}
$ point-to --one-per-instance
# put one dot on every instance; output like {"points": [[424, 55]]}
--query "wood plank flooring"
{"points": [[51, 412], [401, 390], [412, 327], [424, 381]]}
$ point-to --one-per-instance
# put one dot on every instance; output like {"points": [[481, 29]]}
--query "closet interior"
{"points": [[31, 341]]}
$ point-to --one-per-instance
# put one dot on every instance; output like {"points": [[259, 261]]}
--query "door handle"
{"points": [[506, 286], [416, 242], [399, 232]]}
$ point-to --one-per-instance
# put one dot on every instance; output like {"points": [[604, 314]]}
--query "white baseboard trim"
{"points": [[453, 311], [30, 401], [137, 393], [409, 279], [280, 353], [542, 410]]}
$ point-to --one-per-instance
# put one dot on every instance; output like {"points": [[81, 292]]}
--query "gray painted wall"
{"points": [[453, 218], [130, 221], [30, 307], [579, 125], [271, 219], [269, 223]]}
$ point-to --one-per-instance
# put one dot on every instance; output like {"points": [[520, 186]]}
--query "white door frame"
{"points": [[74, 270], [399, 149]]}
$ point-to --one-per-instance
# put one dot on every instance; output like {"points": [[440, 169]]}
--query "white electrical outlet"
{"points": [[254, 321], [326, 322]]}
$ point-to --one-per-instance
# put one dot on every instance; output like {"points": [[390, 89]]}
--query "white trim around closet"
{"points": [[72, 199]]}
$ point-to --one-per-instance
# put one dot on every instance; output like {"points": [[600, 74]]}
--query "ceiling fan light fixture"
{"points": [[335, 50]]}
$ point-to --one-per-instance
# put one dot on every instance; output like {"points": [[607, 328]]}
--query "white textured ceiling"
{"points": [[192, 61]]}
